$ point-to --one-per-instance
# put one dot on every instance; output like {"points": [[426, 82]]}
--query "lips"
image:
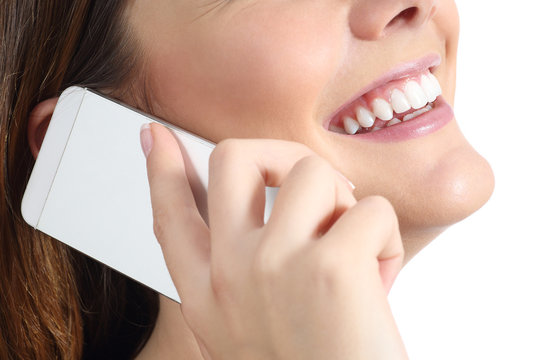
{"points": [[404, 94]]}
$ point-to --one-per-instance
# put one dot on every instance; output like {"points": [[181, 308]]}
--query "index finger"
{"points": [[178, 226]]}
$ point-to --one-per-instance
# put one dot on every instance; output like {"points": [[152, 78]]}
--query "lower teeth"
{"points": [[417, 113], [337, 129]]}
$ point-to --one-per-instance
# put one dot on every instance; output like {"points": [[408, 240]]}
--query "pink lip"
{"points": [[425, 124], [401, 71]]}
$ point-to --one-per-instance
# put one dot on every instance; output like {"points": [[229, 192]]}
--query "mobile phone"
{"points": [[89, 188]]}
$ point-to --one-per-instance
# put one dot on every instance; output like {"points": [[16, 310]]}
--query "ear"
{"points": [[38, 122]]}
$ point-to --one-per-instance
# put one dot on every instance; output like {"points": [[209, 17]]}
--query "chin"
{"points": [[458, 186], [432, 181]]}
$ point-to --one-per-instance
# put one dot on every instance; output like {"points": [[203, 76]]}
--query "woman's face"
{"points": [[293, 69]]}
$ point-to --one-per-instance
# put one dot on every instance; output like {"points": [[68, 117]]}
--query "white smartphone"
{"points": [[89, 187]]}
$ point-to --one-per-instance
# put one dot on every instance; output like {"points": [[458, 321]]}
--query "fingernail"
{"points": [[146, 139], [347, 181]]}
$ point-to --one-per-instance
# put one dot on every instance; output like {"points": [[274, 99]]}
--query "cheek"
{"points": [[254, 78], [447, 18], [446, 21]]}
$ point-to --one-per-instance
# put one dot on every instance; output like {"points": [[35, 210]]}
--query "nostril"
{"points": [[405, 16]]}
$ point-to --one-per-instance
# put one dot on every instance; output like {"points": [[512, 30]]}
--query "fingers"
{"points": [[369, 230], [182, 233], [239, 171], [310, 199]]}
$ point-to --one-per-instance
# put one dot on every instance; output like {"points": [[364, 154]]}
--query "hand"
{"points": [[311, 283]]}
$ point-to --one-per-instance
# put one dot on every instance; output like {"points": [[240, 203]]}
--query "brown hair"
{"points": [[55, 302]]}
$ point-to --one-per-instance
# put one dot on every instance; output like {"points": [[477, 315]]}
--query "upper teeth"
{"points": [[382, 109], [365, 117], [400, 102], [431, 86], [351, 126], [416, 94]]}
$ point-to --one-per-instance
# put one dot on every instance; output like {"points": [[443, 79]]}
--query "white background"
{"points": [[474, 293]]}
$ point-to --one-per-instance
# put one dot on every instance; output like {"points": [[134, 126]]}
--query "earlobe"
{"points": [[38, 122]]}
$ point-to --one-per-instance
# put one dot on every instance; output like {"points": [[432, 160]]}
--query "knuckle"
{"points": [[381, 207], [225, 151], [379, 202], [379, 213], [160, 223], [314, 164]]}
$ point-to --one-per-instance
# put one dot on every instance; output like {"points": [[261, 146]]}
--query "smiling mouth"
{"points": [[392, 103]]}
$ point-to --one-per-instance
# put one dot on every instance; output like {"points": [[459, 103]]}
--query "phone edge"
{"points": [[54, 144]]}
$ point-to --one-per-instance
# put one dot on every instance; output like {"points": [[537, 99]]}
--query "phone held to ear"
{"points": [[89, 187]]}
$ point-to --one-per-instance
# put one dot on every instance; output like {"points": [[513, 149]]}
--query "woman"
{"points": [[323, 74]]}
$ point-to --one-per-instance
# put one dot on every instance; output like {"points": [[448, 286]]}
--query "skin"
{"points": [[273, 291], [278, 69], [238, 69]]}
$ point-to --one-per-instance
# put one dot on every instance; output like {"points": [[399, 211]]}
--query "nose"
{"points": [[375, 19]]}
